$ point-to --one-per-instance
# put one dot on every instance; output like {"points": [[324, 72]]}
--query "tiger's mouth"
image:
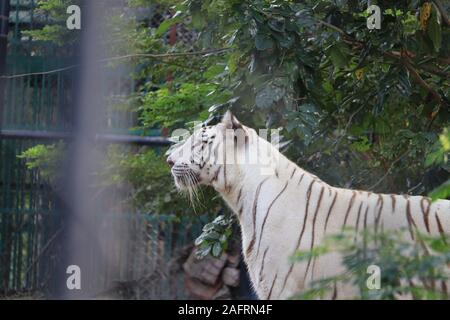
{"points": [[185, 178]]}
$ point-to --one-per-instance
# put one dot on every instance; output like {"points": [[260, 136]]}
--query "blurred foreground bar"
{"points": [[101, 137]]}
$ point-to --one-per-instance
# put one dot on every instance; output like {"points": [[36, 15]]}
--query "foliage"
{"points": [[172, 109], [356, 103], [439, 156], [46, 159], [407, 269], [366, 103], [55, 31], [215, 237]]}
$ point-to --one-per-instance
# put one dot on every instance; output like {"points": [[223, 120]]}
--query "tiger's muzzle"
{"points": [[184, 176]]}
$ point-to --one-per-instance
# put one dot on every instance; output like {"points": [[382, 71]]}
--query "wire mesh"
{"points": [[146, 264]]}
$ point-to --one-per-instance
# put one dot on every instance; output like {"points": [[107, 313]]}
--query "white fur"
{"points": [[269, 267]]}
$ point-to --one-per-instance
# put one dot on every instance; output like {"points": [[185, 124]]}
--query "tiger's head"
{"points": [[212, 155]]}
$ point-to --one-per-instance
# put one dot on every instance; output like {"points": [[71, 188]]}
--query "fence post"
{"points": [[4, 21], [4, 17]]}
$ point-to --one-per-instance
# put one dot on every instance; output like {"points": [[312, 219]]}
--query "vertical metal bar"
{"points": [[11, 108], [34, 103], [4, 21], [28, 97], [83, 210], [58, 116]]}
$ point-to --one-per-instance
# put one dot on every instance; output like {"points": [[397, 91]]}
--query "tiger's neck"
{"points": [[245, 181]]}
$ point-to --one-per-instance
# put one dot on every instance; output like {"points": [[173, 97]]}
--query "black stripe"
{"points": [[377, 219], [262, 264], [410, 218], [426, 213], [271, 287], [357, 220], [424, 247], [293, 172], [216, 174], [313, 229], [441, 230], [239, 196], [267, 214], [205, 160], [301, 178], [308, 194], [393, 203], [444, 288], [350, 205], [255, 208], [365, 227], [365, 218], [329, 212], [334, 296], [313, 268]]}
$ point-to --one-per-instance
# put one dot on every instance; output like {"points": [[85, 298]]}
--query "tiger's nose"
{"points": [[170, 162]]}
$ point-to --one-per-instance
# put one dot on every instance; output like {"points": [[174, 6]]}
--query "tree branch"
{"points": [[128, 56], [419, 80], [433, 70], [402, 58], [167, 55]]}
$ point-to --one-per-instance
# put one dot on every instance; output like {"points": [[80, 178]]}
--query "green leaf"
{"points": [[304, 19], [441, 192], [277, 24], [439, 245], [212, 236], [166, 24], [199, 240], [216, 249], [214, 71], [287, 41], [203, 252], [268, 95], [337, 56], [233, 61], [435, 157], [444, 139], [263, 42], [208, 227], [434, 30], [405, 83]]}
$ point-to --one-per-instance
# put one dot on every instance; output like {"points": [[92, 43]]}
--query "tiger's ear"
{"points": [[230, 121], [234, 130]]}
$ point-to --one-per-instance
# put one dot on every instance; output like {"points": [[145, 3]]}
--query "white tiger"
{"points": [[282, 208]]}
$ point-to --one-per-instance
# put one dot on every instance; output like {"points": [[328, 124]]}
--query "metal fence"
{"points": [[146, 265]]}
